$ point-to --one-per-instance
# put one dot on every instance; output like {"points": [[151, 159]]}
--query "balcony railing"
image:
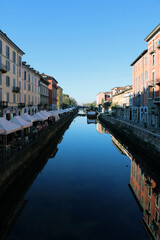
{"points": [[3, 68], [151, 83], [152, 51], [156, 100], [30, 104], [3, 104], [21, 105], [158, 82], [15, 89]]}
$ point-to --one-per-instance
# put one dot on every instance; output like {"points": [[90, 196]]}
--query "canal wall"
{"points": [[15, 167], [138, 140]]}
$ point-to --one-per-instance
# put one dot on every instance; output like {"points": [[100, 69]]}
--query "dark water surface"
{"points": [[82, 193]]}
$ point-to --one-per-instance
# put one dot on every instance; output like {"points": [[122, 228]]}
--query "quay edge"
{"points": [[17, 165], [139, 142]]}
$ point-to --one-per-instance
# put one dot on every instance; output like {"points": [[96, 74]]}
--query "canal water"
{"points": [[82, 193]]}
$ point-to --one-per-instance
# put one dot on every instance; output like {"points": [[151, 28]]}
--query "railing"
{"points": [[158, 82], [3, 68], [21, 105], [15, 89], [3, 104], [156, 100]]}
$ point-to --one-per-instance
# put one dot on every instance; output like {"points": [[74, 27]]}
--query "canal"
{"points": [[84, 192]]}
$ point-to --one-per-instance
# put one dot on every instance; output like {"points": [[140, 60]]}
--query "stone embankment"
{"points": [[10, 171], [141, 141]]}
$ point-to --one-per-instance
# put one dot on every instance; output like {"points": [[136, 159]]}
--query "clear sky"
{"points": [[87, 45]]}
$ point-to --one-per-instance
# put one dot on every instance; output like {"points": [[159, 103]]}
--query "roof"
{"points": [[155, 30], [10, 41], [8, 126], [20, 122], [141, 55], [28, 117], [48, 77]]}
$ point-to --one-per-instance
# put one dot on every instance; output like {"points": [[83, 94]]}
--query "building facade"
{"points": [[10, 77], [59, 97], [44, 93], [30, 96], [122, 102], [52, 88], [146, 83]]}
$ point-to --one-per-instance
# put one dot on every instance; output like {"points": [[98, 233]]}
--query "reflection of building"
{"points": [[100, 128], [147, 193]]}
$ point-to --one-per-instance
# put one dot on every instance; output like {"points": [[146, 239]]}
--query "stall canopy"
{"points": [[44, 114], [55, 115], [47, 113], [1, 130], [8, 126], [40, 117], [28, 117], [20, 122]]}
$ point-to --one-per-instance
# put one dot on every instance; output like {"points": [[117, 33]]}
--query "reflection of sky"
{"points": [[82, 193]]}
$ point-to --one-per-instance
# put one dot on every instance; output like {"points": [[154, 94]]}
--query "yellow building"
{"points": [[59, 97]]}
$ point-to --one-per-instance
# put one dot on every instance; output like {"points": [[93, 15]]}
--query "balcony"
{"points": [[156, 100], [21, 105], [3, 68], [3, 104], [151, 83], [158, 82], [15, 89], [30, 104], [152, 51]]}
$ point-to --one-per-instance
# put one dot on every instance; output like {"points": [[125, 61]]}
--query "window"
{"points": [[153, 60], [14, 98], [157, 201], [0, 79], [7, 81], [29, 87], [24, 85], [14, 69], [14, 82], [0, 47], [7, 96], [149, 191], [14, 57], [0, 94], [32, 88], [20, 84], [7, 52], [8, 65], [28, 99], [19, 72], [153, 76], [25, 98], [156, 216], [19, 61], [24, 75], [32, 80], [28, 77], [149, 205], [19, 97]]}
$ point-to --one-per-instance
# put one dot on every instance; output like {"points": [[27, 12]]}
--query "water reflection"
{"points": [[82, 192], [147, 193]]}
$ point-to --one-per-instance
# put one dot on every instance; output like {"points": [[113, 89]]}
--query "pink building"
{"points": [[103, 100], [146, 83]]}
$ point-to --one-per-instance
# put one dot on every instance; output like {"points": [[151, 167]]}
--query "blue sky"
{"points": [[87, 45]]}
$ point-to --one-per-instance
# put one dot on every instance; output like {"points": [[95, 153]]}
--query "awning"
{"points": [[8, 126], [40, 117], [20, 122], [28, 117]]}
